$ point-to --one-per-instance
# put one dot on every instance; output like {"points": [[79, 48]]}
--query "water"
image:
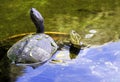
{"points": [[95, 64]]}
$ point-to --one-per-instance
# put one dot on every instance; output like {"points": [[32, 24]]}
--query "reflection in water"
{"points": [[4, 67], [95, 64], [74, 51]]}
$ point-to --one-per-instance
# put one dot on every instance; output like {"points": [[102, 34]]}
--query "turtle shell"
{"points": [[32, 48]]}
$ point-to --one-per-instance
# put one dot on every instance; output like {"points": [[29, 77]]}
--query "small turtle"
{"points": [[33, 48], [69, 48], [74, 39], [73, 43]]}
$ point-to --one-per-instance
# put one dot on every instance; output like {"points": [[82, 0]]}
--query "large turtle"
{"points": [[33, 48]]}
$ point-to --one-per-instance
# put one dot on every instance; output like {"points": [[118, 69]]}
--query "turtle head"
{"points": [[75, 38], [37, 20]]}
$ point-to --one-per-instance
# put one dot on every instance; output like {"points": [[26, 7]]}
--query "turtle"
{"points": [[73, 43], [69, 48], [33, 48]]}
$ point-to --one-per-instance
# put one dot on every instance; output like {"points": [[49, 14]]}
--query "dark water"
{"points": [[101, 16]]}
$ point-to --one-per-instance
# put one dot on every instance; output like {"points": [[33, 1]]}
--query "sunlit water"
{"points": [[95, 64], [62, 16]]}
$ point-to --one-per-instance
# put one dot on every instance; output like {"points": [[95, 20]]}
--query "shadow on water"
{"points": [[4, 66]]}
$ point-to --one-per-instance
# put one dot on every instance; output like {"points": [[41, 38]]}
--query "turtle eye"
{"points": [[31, 11], [74, 32]]}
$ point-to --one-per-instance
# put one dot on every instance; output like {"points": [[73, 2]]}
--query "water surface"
{"points": [[96, 21]]}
